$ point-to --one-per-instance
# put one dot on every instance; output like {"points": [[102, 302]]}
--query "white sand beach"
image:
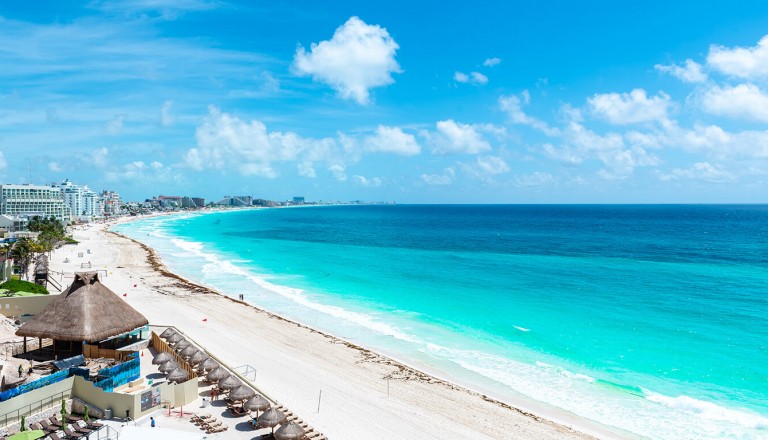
{"points": [[294, 363]]}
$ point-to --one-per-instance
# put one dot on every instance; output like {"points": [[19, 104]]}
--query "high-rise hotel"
{"points": [[31, 200]]}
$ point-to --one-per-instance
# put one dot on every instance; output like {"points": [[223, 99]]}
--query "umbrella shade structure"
{"points": [[230, 383], [174, 338], [182, 345], [210, 364], [290, 431], [167, 333], [197, 358], [162, 357], [257, 403], [217, 374], [167, 367], [272, 417], [242, 393], [188, 351], [178, 375], [28, 435]]}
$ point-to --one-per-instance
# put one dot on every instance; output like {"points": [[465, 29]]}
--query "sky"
{"points": [[413, 102]]}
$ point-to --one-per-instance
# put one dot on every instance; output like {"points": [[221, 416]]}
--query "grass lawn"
{"points": [[23, 288]]}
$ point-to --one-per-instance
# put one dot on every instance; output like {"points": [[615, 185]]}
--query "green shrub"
{"points": [[23, 286]]}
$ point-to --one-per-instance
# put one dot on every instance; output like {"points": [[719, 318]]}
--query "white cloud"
{"points": [[476, 78], [512, 106], [581, 144], [358, 58], [742, 62], [690, 73], [392, 140], [3, 163], [99, 157], [270, 84], [630, 108], [446, 178], [744, 101], [700, 171], [227, 142], [364, 181], [115, 125], [536, 178], [166, 118], [52, 166], [453, 137], [166, 9], [492, 165], [490, 62], [339, 172]]}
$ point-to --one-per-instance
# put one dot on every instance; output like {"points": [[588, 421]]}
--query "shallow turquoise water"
{"points": [[651, 319]]}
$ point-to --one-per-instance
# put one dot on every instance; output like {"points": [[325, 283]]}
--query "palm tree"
{"points": [[21, 251]]}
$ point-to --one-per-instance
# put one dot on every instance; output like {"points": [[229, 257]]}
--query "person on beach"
{"points": [[21, 370], [152, 422]]}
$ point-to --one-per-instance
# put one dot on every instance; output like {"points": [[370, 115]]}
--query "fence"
{"points": [[163, 346], [93, 351], [33, 408], [120, 374], [43, 382]]}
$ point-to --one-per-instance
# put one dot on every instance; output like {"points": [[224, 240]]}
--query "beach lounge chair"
{"points": [[212, 424], [220, 428], [58, 435], [71, 432], [36, 427], [82, 427], [47, 426]]}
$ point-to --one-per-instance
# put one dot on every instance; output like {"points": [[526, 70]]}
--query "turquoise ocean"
{"points": [[649, 319]]}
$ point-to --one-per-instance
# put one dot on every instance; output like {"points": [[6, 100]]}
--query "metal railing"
{"points": [[12, 417]]}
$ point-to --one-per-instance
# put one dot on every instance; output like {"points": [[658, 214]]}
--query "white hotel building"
{"points": [[32, 200], [85, 204]]}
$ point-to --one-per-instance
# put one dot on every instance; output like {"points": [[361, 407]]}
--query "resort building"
{"points": [[236, 201], [86, 348], [84, 204], [34, 200], [192, 202], [113, 204]]}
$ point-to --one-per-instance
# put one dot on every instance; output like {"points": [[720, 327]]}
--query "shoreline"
{"points": [[405, 370], [556, 424]]}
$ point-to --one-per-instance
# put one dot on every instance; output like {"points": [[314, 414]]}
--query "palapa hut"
{"points": [[86, 317]]}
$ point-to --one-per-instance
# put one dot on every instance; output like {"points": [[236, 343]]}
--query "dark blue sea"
{"points": [[649, 319]]}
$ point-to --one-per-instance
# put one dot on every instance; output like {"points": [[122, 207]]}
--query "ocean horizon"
{"points": [[647, 319]]}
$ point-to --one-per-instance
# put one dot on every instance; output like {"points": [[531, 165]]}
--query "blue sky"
{"points": [[414, 102]]}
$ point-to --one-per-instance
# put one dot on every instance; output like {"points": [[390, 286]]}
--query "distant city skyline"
{"points": [[493, 102]]}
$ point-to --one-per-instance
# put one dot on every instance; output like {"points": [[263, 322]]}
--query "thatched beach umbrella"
{"points": [[167, 367], [272, 417], [218, 374], [257, 403], [167, 333], [175, 338], [197, 358], [290, 431], [209, 364], [162, 357], [242, 393], [178, 375], [188, 351], [230, 383], [182, 345]]}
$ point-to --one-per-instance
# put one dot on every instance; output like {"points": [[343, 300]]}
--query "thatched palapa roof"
{"points": [[86, 311]]}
